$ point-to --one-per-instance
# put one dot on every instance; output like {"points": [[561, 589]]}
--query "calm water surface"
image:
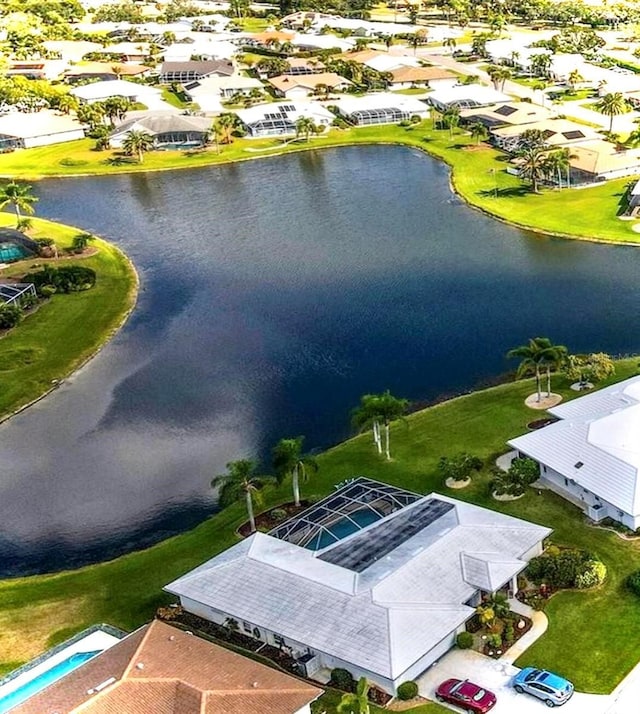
{"points": [[274, 294]]}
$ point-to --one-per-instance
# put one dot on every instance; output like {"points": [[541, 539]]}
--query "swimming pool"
{"points": [[332, 533], [49, 676], [12, 251]]}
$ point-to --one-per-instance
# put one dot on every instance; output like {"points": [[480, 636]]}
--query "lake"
{"points": [[273, 294]]}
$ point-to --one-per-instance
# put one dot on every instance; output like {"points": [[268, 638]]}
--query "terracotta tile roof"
{"points": [[420, 74], [163, 670], [308, 81]]}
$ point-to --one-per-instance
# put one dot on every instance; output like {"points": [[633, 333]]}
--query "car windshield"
{"points": [[532, 675], [479, 695]]}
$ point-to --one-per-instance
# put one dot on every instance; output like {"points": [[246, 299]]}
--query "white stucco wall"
{"points": [[58, 138]]}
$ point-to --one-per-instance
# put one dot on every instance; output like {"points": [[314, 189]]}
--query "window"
{"points": [[578, 465], [246, 627], [279, 640]]}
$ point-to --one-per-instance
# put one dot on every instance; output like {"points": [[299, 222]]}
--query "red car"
{"points": [[466, 695]]}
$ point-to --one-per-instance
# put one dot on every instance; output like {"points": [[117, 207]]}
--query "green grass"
{"points": [[67, 329], [590, 213], [251, 24], [592, 636], [330, 700], [411, 90], [174, 98]]}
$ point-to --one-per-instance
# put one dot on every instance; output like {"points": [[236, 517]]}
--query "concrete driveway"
{"points": [[496, 676]]}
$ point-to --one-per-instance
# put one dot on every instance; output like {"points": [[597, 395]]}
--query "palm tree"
{"points": [[240, 482], [451, 119], [81, 241], [532, 166], [451, 43], [306, 126], [67, 103], [137, 142], [574, 78], [288, 460], [225, 125], [554, 357], [20, 197], [499, 75], [418, 38], [377, 409], [540, 64], [478, 131], [357, 702], [611, 105], [537, 353]]}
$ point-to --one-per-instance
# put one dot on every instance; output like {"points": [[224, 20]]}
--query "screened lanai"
{"points": [[386, 115], [351, 508]]}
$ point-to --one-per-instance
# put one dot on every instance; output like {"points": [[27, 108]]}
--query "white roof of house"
{"points": [[382, 617], [214, 84], [595, 444], [471, 94], [113, 88], [322, 42], [259, 112], [204, 46], [43, 123], [380, 100], [386, 63]]}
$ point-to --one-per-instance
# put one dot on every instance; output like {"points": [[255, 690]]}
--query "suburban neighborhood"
{"points": [[378, 206]]}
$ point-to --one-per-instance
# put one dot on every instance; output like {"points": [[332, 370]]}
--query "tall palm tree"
{"points": [[20, 197], [499, 75], [532, 166], [451, 43], [478, 131], [305, 126], [67, 103], [225, 125], [288, 460], [553, 164], [418, 38], [538, 353], [574, 78], [541, 64], [356, 702], [612, 105], [137, 142], [240, 482], [376, 410], [451, 119], [554, 356]]}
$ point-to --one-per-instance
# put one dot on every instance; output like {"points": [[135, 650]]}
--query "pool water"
{"points": [[11, 251], [44, 679], [343, 528]]}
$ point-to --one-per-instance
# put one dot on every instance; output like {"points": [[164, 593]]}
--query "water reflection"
{"points": [[275, 293]]}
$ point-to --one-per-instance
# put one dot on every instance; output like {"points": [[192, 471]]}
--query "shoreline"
{"points": [[131, 302], [408, 141]]}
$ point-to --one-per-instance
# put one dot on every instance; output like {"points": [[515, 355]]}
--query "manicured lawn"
{"points": [[328, 702], [592, 636], [67, 329], [586, 213], [176, 100]]}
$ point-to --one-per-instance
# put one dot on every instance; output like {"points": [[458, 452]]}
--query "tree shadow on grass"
{"points": [[510, 192]]}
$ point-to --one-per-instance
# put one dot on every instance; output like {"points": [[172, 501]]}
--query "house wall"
{"points": [[327, 661], [594, 506], [295, 93], [58, 138]]}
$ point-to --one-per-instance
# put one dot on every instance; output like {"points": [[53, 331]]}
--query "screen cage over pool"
{"points": [[355, 505], [388, 115]]}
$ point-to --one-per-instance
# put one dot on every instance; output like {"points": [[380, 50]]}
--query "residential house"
{"points": [[43, 128], [205, 48], [182, 72], [209, 93], [279, 118], [99, 91], [174, 131], [303, 85], [104, 71], [466, 96], [310, 43], [126, 51], [381, 108], [387, 578], [407, 76], [161, 669], [381, 61], [507, 114], [600, 160], [304, 65], [556, 133], [268, 39], [591, 456]]}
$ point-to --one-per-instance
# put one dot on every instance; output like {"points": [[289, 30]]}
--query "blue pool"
{"points": [[43, 680], [12, 251], [342, 528]]}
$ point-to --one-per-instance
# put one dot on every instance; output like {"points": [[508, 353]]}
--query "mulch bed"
{"points": [[265, 521]]}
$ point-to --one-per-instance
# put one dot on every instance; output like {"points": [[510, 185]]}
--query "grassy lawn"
{"points": [[175, 99], [251, 24], [592, 636], [588, 213], [66, 330], [411, 90], [330, 699]]}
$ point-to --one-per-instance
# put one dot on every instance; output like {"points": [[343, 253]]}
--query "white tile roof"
{"points": [[113, 88], [259, 112], [600, 432], [387, 616], [381, 100]]}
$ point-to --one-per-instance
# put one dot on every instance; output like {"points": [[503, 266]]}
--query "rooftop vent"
{"points": [[140, 665], [578, 464]]}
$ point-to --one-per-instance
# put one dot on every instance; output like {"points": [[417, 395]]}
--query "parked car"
{"points": [[553, 689], [466, 695]]}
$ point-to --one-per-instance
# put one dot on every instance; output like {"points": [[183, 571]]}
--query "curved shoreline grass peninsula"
{"points": [[65, 331], [478, 175]]}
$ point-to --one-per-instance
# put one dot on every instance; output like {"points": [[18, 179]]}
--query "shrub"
{"points": [[45, 242], [564, 569], [10, 316], [494, 640], [67, 279], [464, 640], [408, 690], [633, 582], [594, 572], [342, 679], [459, 467], [47, 291], [278, 514], [524, 469], [509, 634]]}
